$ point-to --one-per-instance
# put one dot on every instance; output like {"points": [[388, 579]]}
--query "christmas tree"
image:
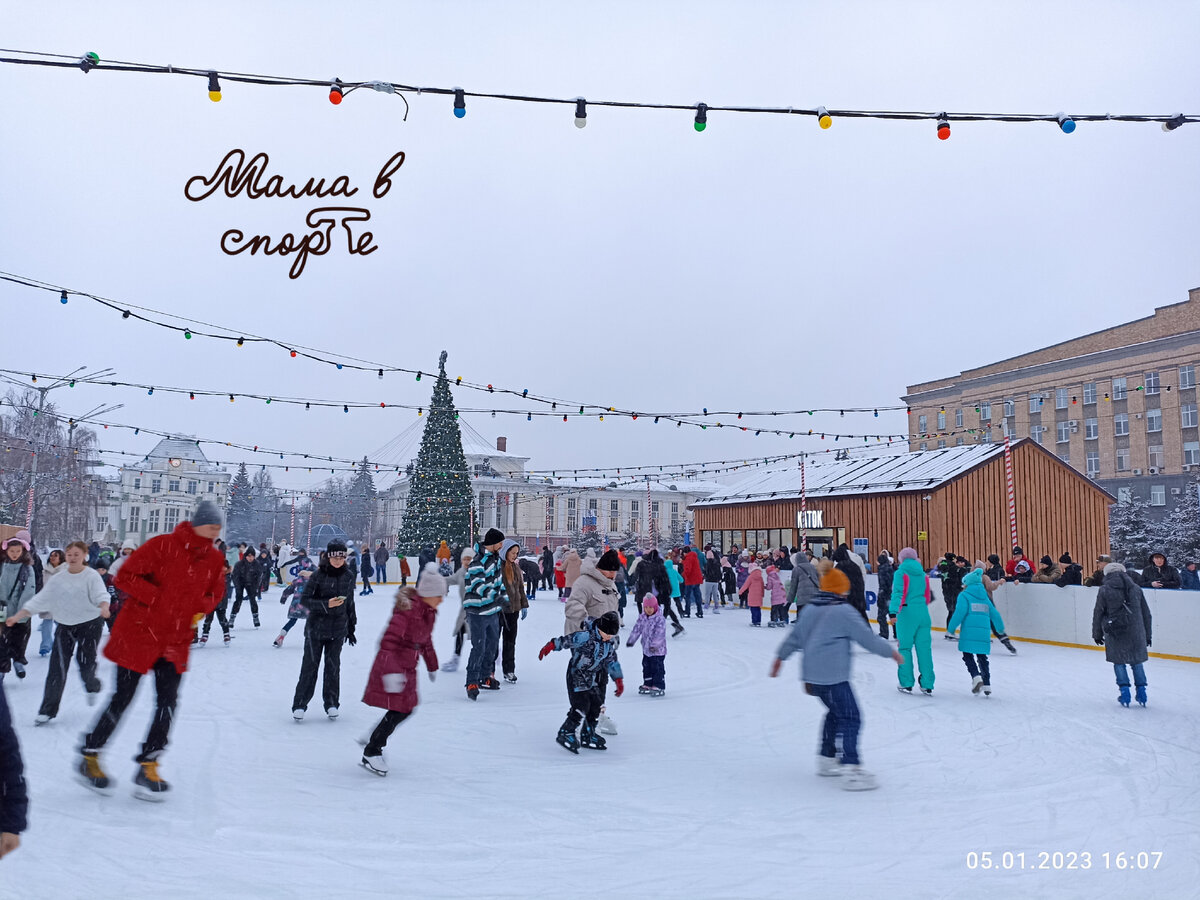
{"points": [[1181, 529], [239, 523], [439, 486], [1131, 533]]}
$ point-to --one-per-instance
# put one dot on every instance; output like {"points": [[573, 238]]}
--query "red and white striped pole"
{"points": [[1012, 495], [29, 508], [803, 510], [292, 533]]}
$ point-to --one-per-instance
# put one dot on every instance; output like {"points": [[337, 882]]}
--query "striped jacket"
{"points": [[486, 594]]}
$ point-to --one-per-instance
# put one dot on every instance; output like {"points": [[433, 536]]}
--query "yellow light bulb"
{"points": [[214, 96], [825, 121]]}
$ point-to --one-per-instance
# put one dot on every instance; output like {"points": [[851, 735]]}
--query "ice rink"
{"points": [[709, 791]]}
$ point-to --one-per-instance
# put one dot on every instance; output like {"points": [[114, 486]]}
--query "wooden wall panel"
{"points": [[1057, 510]]}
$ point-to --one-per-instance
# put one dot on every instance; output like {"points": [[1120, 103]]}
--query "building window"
{"points": [[941, 420], [1035, 403], [1091, 429], [593, 505], [192, 485], [1119, 388], [1158, 495], [1123, 459], [212, 487], [1089, 393], [1060, 398], [173, 485], [156, 485], [1064, 432], [1187, 376], [613, 524], [1065, 457], [985, 412], [614, 515], [1187, 414], [1155, 456], [958, 420], [1154, 420], [958, 442], [572, 515], [1124, 496], [1010, 408], [171, 518], [941, 445], [1191, 453], [1151, 382], [152, 522], [135, 519], [922, 446], [654, 510], [1036, 432], [137, 484], [102, 523], [1121, 424], [1093, 462], [922, 424]]}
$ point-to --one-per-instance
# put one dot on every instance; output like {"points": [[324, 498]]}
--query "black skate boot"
{"points": [[1009, 644], [566, 738], [148, 784], [91, 773], [590, 740]]}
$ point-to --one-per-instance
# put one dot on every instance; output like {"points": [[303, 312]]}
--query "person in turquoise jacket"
{"points": [[976, 615], [909, 616], [676, 580]]}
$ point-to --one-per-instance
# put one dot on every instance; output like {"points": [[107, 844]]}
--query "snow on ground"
{"points": [[707, 792]]}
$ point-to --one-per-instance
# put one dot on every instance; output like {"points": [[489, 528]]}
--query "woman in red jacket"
{"points": [[170, 583], [392, 684]]}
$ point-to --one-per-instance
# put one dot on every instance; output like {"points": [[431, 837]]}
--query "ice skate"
{"points": [[858, 779], [1123, 699], [1007, 642], [987, 690], [203, 639], [89, 769], [450, 665], [645, 689], [298, 715], [510, 677], [904, 690], [148, 784], [566, 738], [91, 697], [657, 692], [976, 684], [472, 691], [19, 669], [678, 630], [374, 764], [829, 766], [605, 724], [490, 684], [928, 692], [588, 739], [228, 639], [332, 712], [42, 719], [1140, 694], [949, 637]]}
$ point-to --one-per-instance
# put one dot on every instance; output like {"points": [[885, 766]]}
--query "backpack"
{"points": [[1119, 621]]}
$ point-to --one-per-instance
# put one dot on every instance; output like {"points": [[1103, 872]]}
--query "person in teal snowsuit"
{"points": [[909, 614], [976, 614]]}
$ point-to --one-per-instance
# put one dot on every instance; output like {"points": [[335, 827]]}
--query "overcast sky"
{"points": [[762, 264]]}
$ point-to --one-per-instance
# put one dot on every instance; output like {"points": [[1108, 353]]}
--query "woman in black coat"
{"points": [[652, 577], [329, 598], [1121, 622]]}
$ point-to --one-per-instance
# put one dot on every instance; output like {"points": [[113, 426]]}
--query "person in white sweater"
{"points": [[78, 600]]}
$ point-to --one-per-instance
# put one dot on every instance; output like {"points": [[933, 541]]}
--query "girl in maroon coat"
{"points": [[392, 684]]}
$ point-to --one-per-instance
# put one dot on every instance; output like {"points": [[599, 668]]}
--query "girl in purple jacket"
{"points": [[651, 627]]}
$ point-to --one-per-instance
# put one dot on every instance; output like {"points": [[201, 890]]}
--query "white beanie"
{"points": [[431, 583], [1113, 567]]}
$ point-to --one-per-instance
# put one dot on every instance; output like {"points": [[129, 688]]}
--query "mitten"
{"points": [[547, 649], [524, 613], [433, 674], [620, 682], [1100, 640], [629, 643]]}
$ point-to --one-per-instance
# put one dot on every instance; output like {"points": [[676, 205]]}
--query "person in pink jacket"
{"points": [[779, 615], [752, 590], [392, 684]]}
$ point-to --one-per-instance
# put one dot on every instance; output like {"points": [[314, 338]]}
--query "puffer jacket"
{"points": [[590, 656], [674, 577], [653, 632], [712, 566], [804, 584], [775, 586], [593, 595], [406, 640], [1048, 574], [911, 594], [976, 615], [1168, 575], [17, 587], [692, 572], [1129, 644], [754, 587], [571, 566], [652, 577], [885, 572], [327, 622]]}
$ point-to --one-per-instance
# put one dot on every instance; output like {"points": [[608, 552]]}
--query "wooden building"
{"points": [[952, 499]]}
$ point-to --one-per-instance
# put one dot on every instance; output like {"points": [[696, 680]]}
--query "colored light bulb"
{"points": [[580, 113], [293, 352], [1065, 122], [1173, 123], [943, 128], [63, 297], [460, 103], [823, 117], [701, 117], [89, 61], [214, 88], [335, 92], [187, 335]]}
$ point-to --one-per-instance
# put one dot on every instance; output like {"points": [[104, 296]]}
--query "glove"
{"points": [[524, 613], [350, 639], [620, 682], [629, 643], [282, 600], [1100, 640], [547, 649], [433, 674]]}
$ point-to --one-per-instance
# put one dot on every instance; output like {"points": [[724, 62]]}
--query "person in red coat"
{"points": [[170, 583], [392, 684], [693, 577]]}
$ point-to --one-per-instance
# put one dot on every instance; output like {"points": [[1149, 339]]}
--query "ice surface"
{"points": [[709, 791]]}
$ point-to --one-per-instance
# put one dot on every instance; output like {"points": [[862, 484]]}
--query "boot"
{"points": [[976, 684], [566, 738], [472, 691], [590, 740], [149, 784], [1140, 694], [278, 642], [451, 665], [89, 768], [1009, 644], [1123, 699], [857, 778], [374, 764]]}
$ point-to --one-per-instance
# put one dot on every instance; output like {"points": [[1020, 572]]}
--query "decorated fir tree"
{"points": [[240, 520], [439, 492]]}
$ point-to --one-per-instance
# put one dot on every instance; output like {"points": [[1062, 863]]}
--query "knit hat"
{"points": [[250, 551], [1113, 567], [493, 536], [609, 562], [1018, 550], [1103, 558], [467, 553], [907, 553], [207, 513], [336, 545], [129, 544], [835, 582], [610, 622], [979, 564], [21, 537], [431, 583], [1065, 559], [650, 605], [1046, 560]]}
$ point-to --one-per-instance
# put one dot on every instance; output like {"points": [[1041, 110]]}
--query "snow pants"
{"points": [[756, 615], [585, 706], [654, 671], [383, 731], [913, 631], [314, 648], [13, 641], [843, 718], [252, 594], [80, 640], [166, 686], [485, 636]]}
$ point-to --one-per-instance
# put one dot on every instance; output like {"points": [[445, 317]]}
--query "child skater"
{"points": [[219, 612], [976, 614], [651, 627], [778, 599], [392, 684], [824, 630], [592, 650]]}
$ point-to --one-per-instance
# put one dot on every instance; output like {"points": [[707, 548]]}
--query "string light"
{"points": [[88, 61], [701, 117], [460, 103], [214, 88], [63, 297], [823, 117], [1174, 122], [580, 113], [1065, 123], [335, 92], [943, 127]]}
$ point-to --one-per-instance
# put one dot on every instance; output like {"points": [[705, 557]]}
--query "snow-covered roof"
{"points": [[919, 470], [677, 486], [182, 448], [473, 446]]}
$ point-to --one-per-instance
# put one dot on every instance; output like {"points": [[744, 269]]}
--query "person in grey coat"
{"points": [[1121, 622], [803, 585]]}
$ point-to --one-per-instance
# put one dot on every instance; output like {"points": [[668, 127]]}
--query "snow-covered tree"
{"points": [[1181, 528], [239, 523], [1132, 534], [360, 503], [266, 505]]}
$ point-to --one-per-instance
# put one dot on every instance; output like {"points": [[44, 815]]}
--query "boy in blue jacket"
{"points": [[824, 630], [593, 649], [976, 615]]}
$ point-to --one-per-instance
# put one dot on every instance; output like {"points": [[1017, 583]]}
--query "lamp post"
{"points": [[72, 423]]}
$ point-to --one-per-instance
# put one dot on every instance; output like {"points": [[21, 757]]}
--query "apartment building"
{"points": [[1119, 405]]}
